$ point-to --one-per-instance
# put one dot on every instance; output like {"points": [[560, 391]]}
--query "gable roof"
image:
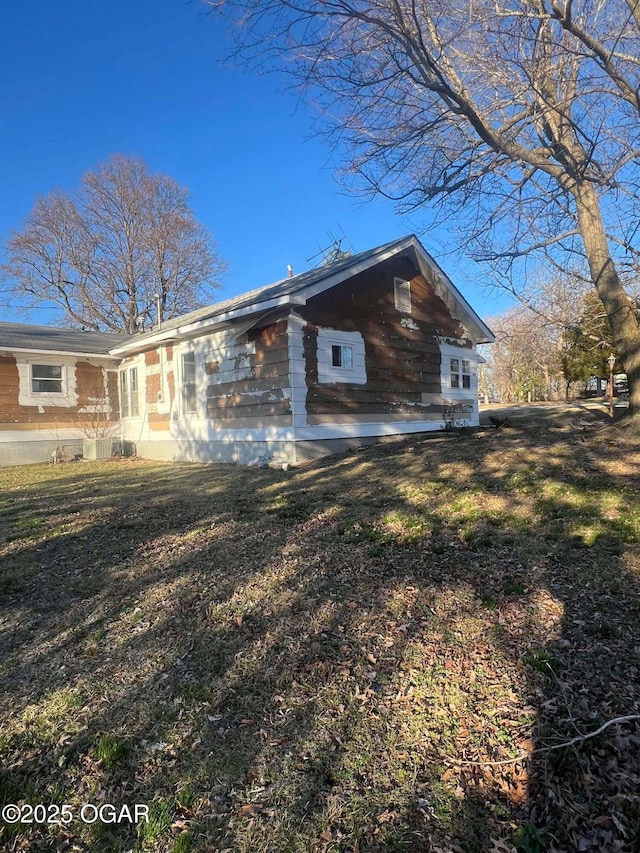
{"points": [[297, 289], [21, 337]]}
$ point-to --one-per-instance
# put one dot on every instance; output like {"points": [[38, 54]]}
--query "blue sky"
{"points": [[82, 80]]}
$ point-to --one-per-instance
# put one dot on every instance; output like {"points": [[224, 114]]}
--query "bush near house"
{"points": [[368, 654]]}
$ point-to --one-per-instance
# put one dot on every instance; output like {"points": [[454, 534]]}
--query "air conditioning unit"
{"points": [[97, 448]]}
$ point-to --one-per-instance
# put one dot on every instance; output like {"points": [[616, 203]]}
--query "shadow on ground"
{"points": [[363, 655]]}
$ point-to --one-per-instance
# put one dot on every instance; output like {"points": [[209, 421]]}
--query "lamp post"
{"points": [[611, 361]]}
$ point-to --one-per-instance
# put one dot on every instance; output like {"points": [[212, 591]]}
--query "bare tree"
{"points": [[519, 118], [524, 362], [103, 253]]}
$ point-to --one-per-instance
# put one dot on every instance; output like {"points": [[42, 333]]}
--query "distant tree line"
{"points": [[549, 351]]}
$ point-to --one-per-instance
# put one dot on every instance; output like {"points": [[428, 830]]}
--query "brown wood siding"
{"points": [[261, 395], [153, 386], [159, 421], [402, 363], [89, 389], [9, 390], [114, 395], [89, 384]]}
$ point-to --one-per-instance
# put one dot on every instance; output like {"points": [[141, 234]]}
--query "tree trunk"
{"points": [[620, 309]]}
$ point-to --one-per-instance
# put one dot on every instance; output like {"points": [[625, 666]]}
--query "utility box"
{"points": [[97, 448]]}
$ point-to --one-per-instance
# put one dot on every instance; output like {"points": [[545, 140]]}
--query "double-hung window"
{"points": [[460, 372], [46, 379], [189, 382], [129, 401]]}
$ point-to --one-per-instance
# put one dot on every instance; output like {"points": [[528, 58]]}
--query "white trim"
{"points": [[192, 356], [136, 364], [450, 295], [326, 431], [459, 395], [60, 380], [426, 263], [55, 353], [179, 413], [447, 352], [297, 371], [327, 372], [65, 399], [312, 433]]}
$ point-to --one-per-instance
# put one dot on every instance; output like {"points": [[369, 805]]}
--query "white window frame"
{"points": [[460, 373], [190, 356], [62, 379], [65, 398], [450, 353], [402, 295], [342, 357], [129, 392], [353, 342]]}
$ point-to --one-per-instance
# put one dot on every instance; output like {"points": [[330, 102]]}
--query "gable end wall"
{"points": [[402, 352]]}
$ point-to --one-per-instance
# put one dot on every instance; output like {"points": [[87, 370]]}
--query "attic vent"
{"points": [[402, 294]]}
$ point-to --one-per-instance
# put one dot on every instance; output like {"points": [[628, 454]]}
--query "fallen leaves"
{"points": [[250, 810], [281, 677]]}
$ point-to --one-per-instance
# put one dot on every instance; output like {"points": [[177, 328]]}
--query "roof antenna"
{"points": [[334, 252]]}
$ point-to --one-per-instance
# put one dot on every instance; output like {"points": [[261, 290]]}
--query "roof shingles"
{"points": [[18, 336]]}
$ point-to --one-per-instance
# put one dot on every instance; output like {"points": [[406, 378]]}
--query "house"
{"points": [[56, 386], [375, 344]]}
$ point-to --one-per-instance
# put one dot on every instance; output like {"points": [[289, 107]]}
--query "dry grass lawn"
{"points": [[334, 658]]}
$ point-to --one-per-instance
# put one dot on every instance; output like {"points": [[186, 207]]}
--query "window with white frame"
{"points": [[460, 372], [46, 378], [341, 357], [129, 399], [402, 295], [189, 382]]}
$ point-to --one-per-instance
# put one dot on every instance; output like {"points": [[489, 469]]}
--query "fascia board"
{"points": [[486, 336], [355, 269], [55, 352]]}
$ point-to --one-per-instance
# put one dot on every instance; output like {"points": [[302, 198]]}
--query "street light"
{"points": [[611, 361]]}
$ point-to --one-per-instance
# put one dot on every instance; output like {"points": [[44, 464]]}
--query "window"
{"points": [[189, 382], [46, 379], [133, 391], [342, 356], [124, 395], [129, 404], [460, 372], [402, 295]]}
